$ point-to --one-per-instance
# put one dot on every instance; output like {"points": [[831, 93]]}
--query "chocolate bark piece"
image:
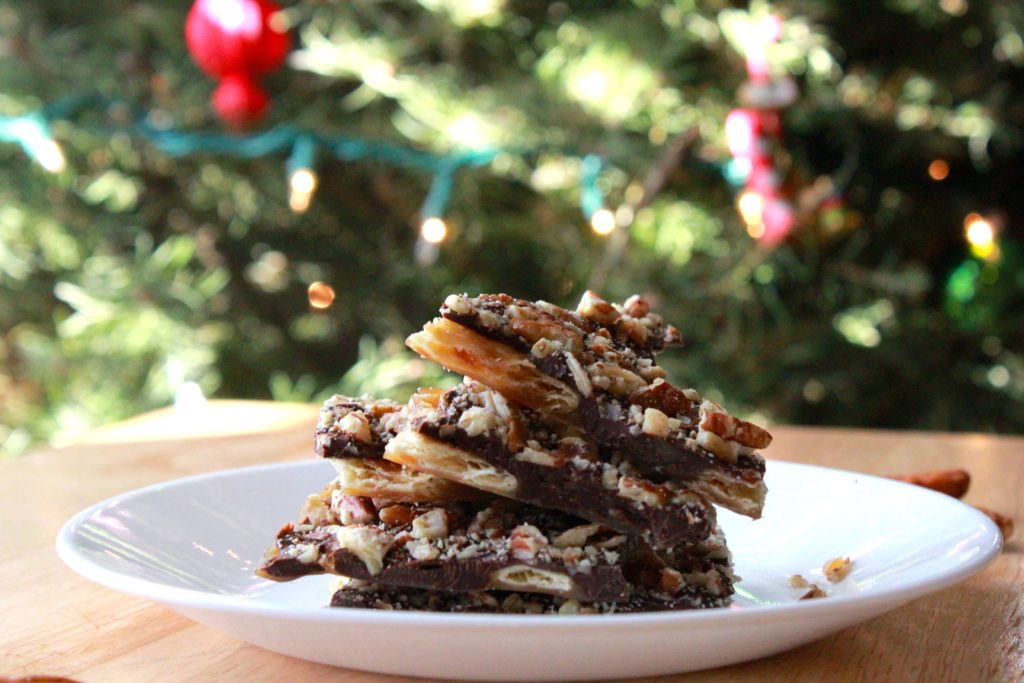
{"points": [[690, 576], [352, 434], [500, 544], [355, 427], [594, 376], [674, 434], [522, 323], [475, 437]]}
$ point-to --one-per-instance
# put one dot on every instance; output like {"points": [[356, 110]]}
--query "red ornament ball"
{"points": [[237, 41], [240, 101]]}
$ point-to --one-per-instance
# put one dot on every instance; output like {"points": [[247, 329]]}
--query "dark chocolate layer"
{"points": [[508, 602], [676, 457]]}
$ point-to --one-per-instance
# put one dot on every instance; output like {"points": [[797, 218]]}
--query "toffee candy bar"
{"points": [[594, 368], [457, 547], [475, 437]]}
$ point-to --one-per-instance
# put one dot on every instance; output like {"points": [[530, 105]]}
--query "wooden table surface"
{"points": [[52, 622]]}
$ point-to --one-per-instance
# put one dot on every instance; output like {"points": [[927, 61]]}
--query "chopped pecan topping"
{"points": [[575, 537], [525, 541], [458, 304], [837, 569], [797, 581], [655, 423], [535, 330], [670, 581], [595, 308], [421, 549], [615, 379], [643, 492], [732, 428], [431, 524], [662, 396], [396, 515], [634, 329], [536, 457], [352, 509], [636, 306], [368, 544], [476, 421], [315, 511], [814, 592], [357, 426]]}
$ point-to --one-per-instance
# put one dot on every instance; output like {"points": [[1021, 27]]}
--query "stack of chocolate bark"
{"points": [[563, 475]]}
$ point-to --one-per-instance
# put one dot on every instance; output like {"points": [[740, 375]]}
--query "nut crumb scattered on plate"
{"points": [[815, 592], [837, 569], [797, 581]]}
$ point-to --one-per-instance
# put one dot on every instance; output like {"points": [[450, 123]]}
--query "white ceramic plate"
{"points": [[192, 544]]}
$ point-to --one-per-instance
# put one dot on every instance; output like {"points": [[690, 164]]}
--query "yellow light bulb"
{"points": [[751, 207], [434, 230], [301, 186], [980, 232], [50, 156], [603, 222]]}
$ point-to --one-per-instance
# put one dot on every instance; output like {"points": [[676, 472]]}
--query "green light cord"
{"points": [[303, 153], [591, 197], [32, 131]]}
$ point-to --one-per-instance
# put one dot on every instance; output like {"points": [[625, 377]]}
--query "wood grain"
{"points": [[55, 623]]}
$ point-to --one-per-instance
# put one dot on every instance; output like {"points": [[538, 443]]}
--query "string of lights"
{"points": [[33, 132]]}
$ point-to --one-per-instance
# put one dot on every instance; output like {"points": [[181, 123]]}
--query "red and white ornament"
{"points": [[237, 42], [755, 131]]}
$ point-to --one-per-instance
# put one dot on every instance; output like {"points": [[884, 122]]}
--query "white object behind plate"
{"points": [[192, 544]]}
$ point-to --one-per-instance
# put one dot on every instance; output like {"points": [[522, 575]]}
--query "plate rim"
{"points": [[189, 598]]}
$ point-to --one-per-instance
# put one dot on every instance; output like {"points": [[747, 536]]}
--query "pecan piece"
{"points": [[396, 515], [634, 329], [797, 581], [352, 509], [951, 482], [636, 306], [655, 423], [535, 330], [662, 396], [814, 592], [526, 540], [670, 581], [837, 569], [431, 524], [734, 429], [595, 308]]}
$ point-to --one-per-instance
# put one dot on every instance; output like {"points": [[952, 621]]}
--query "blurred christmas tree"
{"points": [[871, 276]]}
